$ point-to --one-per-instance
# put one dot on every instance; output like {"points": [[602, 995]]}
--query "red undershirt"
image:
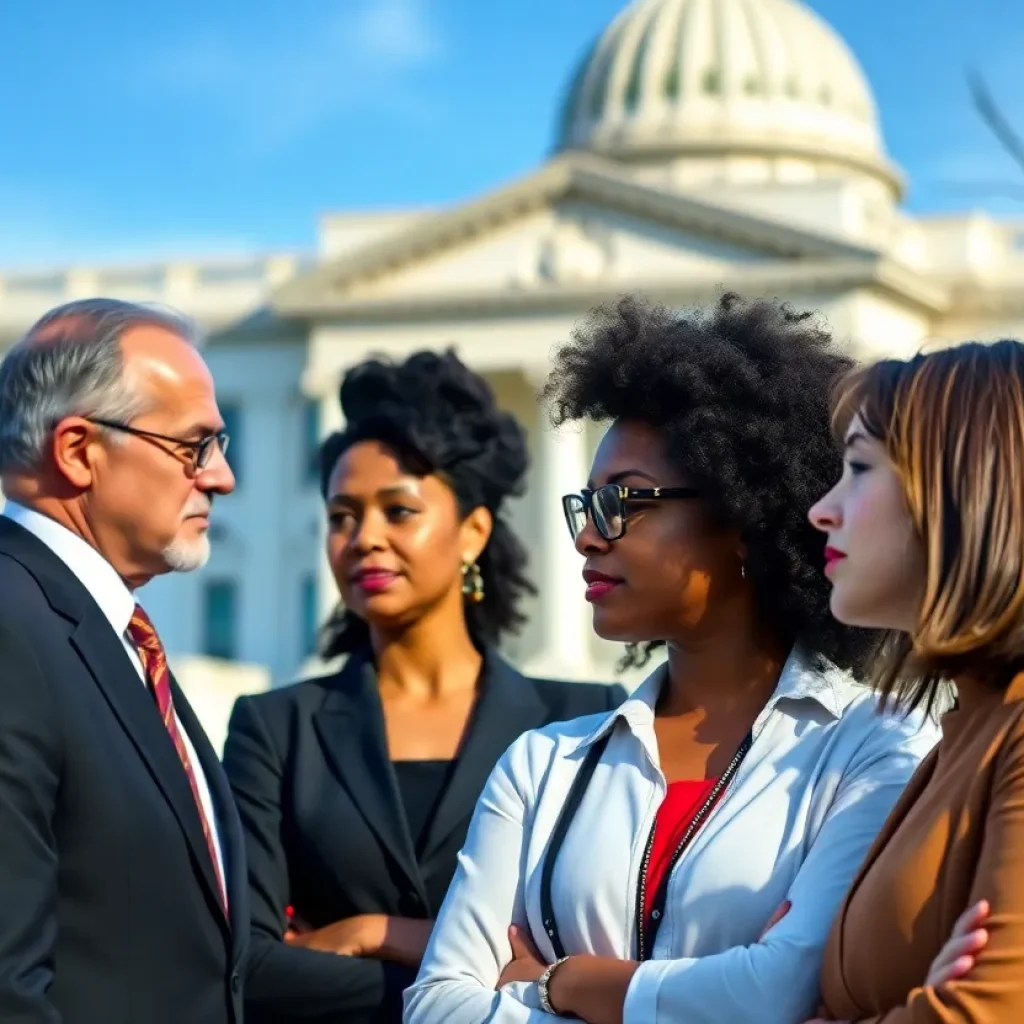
{"points": [[677, 811]]}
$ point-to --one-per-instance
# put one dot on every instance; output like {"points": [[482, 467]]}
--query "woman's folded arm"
{"points": [[470, 947]]}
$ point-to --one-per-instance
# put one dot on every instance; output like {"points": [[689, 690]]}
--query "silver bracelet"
{"points": [[542, 986]]}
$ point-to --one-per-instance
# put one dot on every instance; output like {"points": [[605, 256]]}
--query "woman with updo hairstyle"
{"points": [[355, 790], [680, 859]]}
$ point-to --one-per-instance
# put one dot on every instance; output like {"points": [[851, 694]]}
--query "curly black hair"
{"points": [[440, 418], [741, 393]]}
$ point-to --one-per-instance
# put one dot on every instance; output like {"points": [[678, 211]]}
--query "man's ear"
{"points": [[73, 450]]}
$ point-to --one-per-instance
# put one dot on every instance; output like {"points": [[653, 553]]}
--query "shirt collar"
{"points": [[94, 572], [804, 677]]}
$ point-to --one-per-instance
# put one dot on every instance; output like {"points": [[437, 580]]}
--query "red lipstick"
{"points": [[373, 580], [832, 557], [598, 584]]}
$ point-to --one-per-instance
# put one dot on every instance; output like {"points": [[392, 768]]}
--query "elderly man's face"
{"points": [[146, 496]]}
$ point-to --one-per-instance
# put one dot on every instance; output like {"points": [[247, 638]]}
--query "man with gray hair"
{"points": [[122, 870]]}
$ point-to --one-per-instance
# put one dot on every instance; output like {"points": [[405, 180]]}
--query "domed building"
{"points": [[701, 145], [700, 96], [699, 91]]}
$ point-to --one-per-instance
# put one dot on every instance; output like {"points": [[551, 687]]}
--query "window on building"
{"points": [[232, 415], [310, 610], [311, 440], [220, 619]]}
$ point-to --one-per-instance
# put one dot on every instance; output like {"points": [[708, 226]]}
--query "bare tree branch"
{"points": [[995, 120]]}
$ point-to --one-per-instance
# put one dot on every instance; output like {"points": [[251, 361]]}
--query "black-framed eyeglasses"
{"points": [[607, 506], [202, 450]]}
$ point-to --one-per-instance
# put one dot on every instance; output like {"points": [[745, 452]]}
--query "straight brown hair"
{"points": [[952, 424]]}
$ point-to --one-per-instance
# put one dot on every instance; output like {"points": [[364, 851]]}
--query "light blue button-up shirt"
{"points": [[822, 775]]}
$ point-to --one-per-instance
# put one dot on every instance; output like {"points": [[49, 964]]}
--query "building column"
{"points": [[331, 420], [562, 461], [323, 390]]}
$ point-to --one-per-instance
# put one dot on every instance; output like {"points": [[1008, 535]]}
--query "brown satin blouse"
{"points": [[956, 836]]}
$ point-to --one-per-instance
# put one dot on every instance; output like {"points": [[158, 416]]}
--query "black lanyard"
{"points": [[572, 805], [645, 942]]}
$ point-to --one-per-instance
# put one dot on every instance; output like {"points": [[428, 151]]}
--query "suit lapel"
{"points": [[509, 705], [103, 654], [228, 824], [350, 725], [108, 662]]}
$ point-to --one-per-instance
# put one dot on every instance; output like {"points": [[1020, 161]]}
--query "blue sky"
{"points": [[130, 131]]}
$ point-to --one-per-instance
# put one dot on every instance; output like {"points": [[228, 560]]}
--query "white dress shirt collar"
{"points": [[803, 677], [94, 572]]}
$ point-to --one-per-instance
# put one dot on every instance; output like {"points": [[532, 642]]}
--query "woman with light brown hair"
{"points": [[926, 539]]}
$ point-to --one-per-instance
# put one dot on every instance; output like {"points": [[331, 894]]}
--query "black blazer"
{"points": [[109, 909], [326, 832]]}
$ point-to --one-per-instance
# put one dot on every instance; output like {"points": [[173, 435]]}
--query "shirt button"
{"points": [[655, 915]]}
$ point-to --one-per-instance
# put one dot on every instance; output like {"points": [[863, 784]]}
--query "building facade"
{"points": [[704, 145]]}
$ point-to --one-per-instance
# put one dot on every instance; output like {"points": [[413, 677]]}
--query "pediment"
{"points": [[576, 223]]}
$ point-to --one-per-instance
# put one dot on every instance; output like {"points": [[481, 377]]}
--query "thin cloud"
{"points": [[51, 248], [976, 171], [45, 232], [365, 55], [968, 162], [397, 31]]}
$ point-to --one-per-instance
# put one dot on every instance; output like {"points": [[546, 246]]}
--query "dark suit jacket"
{"points": [[326, 832], [109, 909]]}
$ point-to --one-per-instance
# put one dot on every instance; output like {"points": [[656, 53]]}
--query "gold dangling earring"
{"points": [[472, 582]]}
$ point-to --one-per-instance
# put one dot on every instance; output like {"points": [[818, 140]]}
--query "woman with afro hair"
{"points": [[355, 790], [680, 859]]}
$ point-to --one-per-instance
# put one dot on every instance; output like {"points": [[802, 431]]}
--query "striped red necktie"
{"points": [[154, 661]]}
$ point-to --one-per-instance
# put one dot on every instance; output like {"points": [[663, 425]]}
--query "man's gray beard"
{"points": [[187, 556]]}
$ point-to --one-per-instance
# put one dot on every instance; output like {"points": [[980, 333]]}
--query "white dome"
{"points": [[765, 77]]}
